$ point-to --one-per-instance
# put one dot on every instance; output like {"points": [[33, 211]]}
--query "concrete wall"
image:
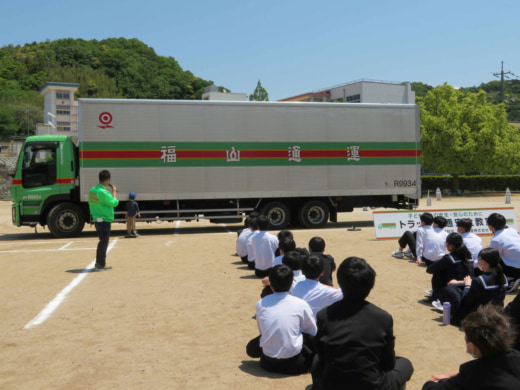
{"points": [[7, 165]]}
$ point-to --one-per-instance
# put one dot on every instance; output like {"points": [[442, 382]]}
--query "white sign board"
{"points": [[392, 224]]}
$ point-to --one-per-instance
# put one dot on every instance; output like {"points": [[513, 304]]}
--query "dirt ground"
{"points": [[176, 311]]}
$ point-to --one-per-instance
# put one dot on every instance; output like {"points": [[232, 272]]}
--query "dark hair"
{"points": [[440, 221], [498, 221], [492, 257], [292, 260], [304, 253], [104, 175], [283, 234], [317, 244], [427, 218], [312, 267], [281, 278], [489, 329], [459, 251], [252, 223], [247, 221], [263, 222], [356, 278], [465, 223], [287, 245]]}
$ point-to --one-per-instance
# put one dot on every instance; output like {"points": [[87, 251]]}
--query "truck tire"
{"points": [[278, 214], [313, 214], [66, 220]]}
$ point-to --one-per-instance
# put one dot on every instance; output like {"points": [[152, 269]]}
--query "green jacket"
{"points": [[101, 203]]}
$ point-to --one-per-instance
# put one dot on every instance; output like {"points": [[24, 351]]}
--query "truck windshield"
{"points": [[39, 165]]}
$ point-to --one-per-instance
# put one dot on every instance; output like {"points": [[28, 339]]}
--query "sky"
{"points": [[293, 46]]}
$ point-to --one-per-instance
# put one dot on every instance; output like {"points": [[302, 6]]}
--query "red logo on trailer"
{"points": [[105, 118]]}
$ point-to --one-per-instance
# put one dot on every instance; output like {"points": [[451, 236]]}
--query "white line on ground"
{"points": [[225, 227], [65, 246], [49, 242], [58, 299], [47, 250]]}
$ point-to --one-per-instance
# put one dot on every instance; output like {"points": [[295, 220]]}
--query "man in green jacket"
{"points": [[101, 203]]}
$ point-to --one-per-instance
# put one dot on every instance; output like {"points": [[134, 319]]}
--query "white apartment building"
{"points": [[60, 109]]}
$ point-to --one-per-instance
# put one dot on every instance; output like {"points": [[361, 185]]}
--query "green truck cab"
{"points": [[45, 189]]}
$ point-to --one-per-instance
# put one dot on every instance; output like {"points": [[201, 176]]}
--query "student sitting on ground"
{"points": [[409, 239], [507, 241], [282, 235], [489, 287], [471, 240], [292, 260], [317, 295], [488, 337], [432, 246], [253, 227], [452, 266], [264, 246], [284, 246], [283, 320], [241, 245], [316, 248], [355, 339]]}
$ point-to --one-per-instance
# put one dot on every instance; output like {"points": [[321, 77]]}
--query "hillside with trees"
{"points": [[110, 68]]}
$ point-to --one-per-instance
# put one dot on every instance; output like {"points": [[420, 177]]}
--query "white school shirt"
{"points": [[419, 240], [264, 245], [434, 244], [242, 242], [317, 295], [249, 246], [507, 241], [281, 319], [474, 245], [298, 276], [278, 260]]}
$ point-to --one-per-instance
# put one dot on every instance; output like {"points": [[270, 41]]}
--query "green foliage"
{"points": [[420, 89], [477, 183], [462, 133], [110, 68], [260, 94], [511, 96]]}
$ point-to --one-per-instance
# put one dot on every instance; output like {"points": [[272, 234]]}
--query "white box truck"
{"points": [[299, 163]]}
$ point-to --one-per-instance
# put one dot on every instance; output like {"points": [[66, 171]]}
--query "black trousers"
{"points": [[262, 273], [510, 271], [395, 379], [296, 365], [401, 373], [103, 230], [409, 239]]}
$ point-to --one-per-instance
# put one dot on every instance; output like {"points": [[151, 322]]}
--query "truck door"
{"points": [[39, 175]]}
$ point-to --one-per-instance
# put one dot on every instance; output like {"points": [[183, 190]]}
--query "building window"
{"points": [[63, 112], [62, 95], [63, 128], [354, 99]]}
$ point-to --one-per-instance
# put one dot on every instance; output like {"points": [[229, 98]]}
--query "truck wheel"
{"points": [[313, 214], [66, 220], [278, 214]]}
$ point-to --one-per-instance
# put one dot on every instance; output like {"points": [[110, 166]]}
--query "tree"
{"points": [[420, 89], [465, 134], [260, 94]]}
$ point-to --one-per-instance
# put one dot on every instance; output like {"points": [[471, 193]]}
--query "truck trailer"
{"points": [[298, 163]]}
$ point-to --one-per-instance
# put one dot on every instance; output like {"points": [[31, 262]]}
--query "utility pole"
{"points": [[502, 75]]}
